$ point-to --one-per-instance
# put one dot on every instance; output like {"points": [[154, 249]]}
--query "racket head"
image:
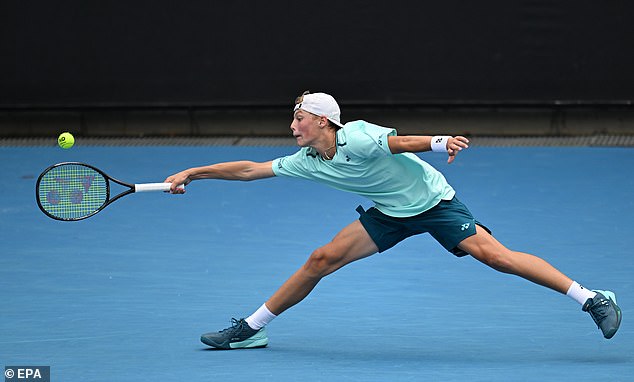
{"points": [[72, 191]]}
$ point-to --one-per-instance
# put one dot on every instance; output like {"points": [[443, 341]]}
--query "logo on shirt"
{"points": [[465, 226]]}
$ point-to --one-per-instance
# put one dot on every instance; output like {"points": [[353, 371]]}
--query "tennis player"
{"points": [[410, 197]]}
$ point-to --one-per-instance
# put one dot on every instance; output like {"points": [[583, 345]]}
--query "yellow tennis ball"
{"points": [[66, 140]]}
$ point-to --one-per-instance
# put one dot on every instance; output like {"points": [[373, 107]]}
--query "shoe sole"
{"points": [[251, 343]]}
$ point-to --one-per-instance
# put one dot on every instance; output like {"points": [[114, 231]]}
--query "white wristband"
{"points": [[439, 143]]}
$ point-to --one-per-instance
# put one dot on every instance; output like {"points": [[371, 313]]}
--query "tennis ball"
{"points": [[66, 140]]}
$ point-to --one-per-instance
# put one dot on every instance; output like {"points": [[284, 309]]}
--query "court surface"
{"points": [[125, 295]]}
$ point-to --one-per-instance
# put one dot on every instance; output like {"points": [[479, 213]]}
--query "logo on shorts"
{"points": [[465, 226]]}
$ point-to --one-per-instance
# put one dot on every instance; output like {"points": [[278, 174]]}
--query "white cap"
{"points": [[322, 105]]}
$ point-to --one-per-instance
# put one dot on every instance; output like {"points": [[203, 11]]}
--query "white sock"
{"points": [[579, 293], [260, 318]]}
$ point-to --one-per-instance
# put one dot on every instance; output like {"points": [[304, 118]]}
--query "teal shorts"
{"points": [[449, 222]]}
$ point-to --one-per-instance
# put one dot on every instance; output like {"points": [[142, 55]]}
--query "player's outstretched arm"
{"points": [[240, 170], [420, 143]]}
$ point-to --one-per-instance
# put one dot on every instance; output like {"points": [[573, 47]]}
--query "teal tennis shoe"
{"points": [[239, 336], [604, 311]]}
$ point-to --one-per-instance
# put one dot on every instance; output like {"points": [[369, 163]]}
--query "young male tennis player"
{"points": [[410, 196]]}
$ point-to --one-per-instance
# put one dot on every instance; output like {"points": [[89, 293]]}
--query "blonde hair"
{"points": [[300, 99]]}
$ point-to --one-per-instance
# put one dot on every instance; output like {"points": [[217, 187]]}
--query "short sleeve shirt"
{"points": [[400, 185]]}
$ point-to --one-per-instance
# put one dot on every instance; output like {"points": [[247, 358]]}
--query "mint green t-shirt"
{"points": [[400, 185]]}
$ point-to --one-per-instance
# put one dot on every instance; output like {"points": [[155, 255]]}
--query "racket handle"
{"points": [[146, 187]]}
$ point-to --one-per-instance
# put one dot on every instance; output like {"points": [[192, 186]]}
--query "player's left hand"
{"points": [[455, 145]]}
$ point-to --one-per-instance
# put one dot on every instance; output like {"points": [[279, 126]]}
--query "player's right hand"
{"points": [[181, 178]]}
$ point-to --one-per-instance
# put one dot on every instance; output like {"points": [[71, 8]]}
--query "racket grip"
{"points": [[147, 187]]}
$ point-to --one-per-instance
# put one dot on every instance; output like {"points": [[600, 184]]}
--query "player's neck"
{"points": [[329, 148]]}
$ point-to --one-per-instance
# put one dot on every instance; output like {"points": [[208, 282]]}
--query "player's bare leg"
{"points": [[600, 304], [485, 248], [350, 244]]}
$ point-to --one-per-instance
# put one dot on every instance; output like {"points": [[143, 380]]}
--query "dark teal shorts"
{"points": [[449, 222]]}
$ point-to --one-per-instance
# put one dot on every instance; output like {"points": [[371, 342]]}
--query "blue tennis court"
{"points": [[125, 295]]}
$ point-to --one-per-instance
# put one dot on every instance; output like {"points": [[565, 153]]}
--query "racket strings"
{"points": [[72, 191]]}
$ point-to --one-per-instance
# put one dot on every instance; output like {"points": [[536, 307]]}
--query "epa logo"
{"points": [[27, 373]]}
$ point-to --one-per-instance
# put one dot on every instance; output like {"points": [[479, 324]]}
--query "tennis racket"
{"points": [[73, 191]]}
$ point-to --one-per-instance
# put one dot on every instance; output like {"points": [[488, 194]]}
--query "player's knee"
{"points": [[321, 262]]}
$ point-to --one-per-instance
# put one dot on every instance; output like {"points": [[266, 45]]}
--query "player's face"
{"points": [[305, 128]]}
